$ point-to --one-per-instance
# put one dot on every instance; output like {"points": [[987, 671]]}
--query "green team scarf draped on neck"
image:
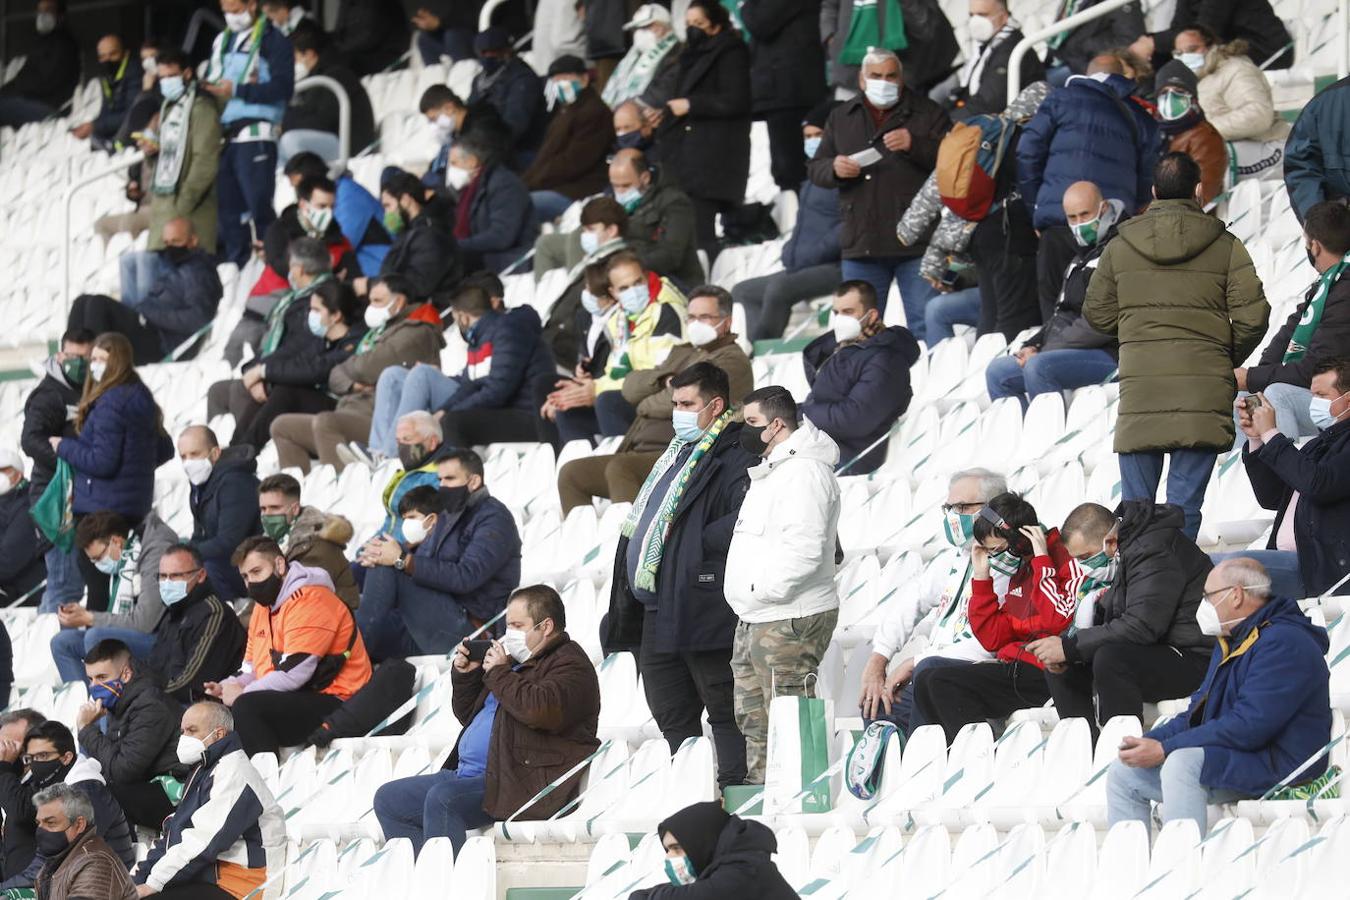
{"points": [[276, 319], [875, 23], [1312, 315], [654, 541], [174, 118]]}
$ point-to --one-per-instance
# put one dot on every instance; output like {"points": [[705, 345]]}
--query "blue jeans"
{"points": [[245, 188], [401, 391], [1045, 373], [548, 205], [456, 43], [914, 291], [65, 584], [1175, 785], [1281, 565], [69, 646], [140, 270], [946, 310], [399, 618], [905, 713], [428, 806], [309, 140], [1141, 472]]}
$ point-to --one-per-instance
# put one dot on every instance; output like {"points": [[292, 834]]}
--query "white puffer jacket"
{"points": [[781, 561], [1236, 98]]}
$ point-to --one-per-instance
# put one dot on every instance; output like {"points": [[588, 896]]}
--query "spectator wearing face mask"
{"points": [[275, 323], [661, 219], [50, 73], [534, 697], [421, 446], [308, 535], [311, 216], [358, 212], [655, 49], [311, 120], [859, 377], [980, 86], [509, 85], [304, 656], [633, 128], [1252, 21], [199, 638], [186, 153], [571, 161], [1233, 92], [493, 223], [119, 83], [711, 853], [423, 251], [224, 483], [1186, 130], [81, 863], [568, 330], [135, 745], [17, 842], [22, 568], [1067, 352], [451, 119]]}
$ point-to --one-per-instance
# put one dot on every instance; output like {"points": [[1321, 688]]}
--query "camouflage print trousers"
{"points": [[774, 659]]}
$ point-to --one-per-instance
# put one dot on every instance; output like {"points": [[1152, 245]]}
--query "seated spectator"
{"points": [[83, 865], [186, 150], [120, 82], [1142, 644], [396, 338], [277, 322], [47, 415], [933, 609], [129, 558], [1253, 21], [393, 597], [570, 164], [980, 86], [304, 655], [866, 390], [119, 442], [370, 34], [22, 568], [574, 327], [619, 476], [1185, 128], [493, 224], [136, 743], [1306, 552], [660, 220], [223, 512], [227, 833], [534, 695], [311, 120], [1042, 596], [15, 800], [633, 130], [810, 256], [308, 535], [357, 211], [445, 30], [421, 446], [310, 216], [1316, 331], [654, 51], [1070, 53], [1233, 92], [1067, 352], [49, 751], [451, 119], [293, 378], [510, 86], [1260, 719], [285, 15], [423, 252], [199, 638], [717, 854], [176, 311], [651, 325], [50, 72]]}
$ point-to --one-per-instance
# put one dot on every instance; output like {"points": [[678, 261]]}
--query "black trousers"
{"points": [[1052, 258], [195, 891], [787, 162], [144, 803], [1007, 275], [705, 224], [100, 314], [679, 687], [955, 696], [270, 720], [253, 420], [1122, 678], [491, 426]]}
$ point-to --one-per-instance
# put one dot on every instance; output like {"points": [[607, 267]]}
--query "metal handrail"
{"points": [[1023, 46], [311, 82], [485, 14], [119, 168], [203, 16]]}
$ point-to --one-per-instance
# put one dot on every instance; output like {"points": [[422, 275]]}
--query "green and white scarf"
{"points": [[635, 72], [276, 318], [370, 337], [875, 23], [654, 541], [123, 589], [174, 117], [1312, 314]]}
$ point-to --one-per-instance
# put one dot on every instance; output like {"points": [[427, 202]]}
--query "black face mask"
{"points": [[47, 773], [633, 140], [752, 439], [111, 67], [265, 592], [176, 256], [51, 843], [411, 456], [454, 498], [695, 38]]}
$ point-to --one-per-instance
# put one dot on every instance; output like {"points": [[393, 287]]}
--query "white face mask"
{"points": [[457, 177], [45, 23], [1207, 617], [981, 28], [414, 530], [445, 127], [377, 316], [679, 870], [301, 70], [1193, 61], [238, 21], [513, 642], [97, 368], [645, 40], [846, 328], [1319, 410], [198, 470], [190, 749], [701, 334], [150, 65], [881, 93], [319, 219], [589, 242]]}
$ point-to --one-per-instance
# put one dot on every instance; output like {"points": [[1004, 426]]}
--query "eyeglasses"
{"points": [[178, 576], [42, 756], [965, 509], [1236, 587]]}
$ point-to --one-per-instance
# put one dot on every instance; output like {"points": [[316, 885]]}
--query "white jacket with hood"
{"points": [[780, 564]]}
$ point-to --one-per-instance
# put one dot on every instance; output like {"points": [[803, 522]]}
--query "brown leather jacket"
{"points": [[1205, 145], [88, 870], [547, 714], [646, 390]]}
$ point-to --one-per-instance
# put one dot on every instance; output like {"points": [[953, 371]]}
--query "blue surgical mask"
{"points": [[315, 323], [634, 299], [589, 302], [811, 145], [686, 424], [109, 692], [589, 241], [107, 564], [171, 87], [172, 592], [629, 199], [1319, 410], [1193, 61]]}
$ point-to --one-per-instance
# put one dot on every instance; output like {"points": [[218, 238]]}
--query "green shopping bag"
{"points": [[875, 23], [53, 513], [798, 755]]}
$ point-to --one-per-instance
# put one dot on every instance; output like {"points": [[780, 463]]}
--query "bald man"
{"points": [[1262, 712], [120, 80], [224, 501], [1067, 352]]}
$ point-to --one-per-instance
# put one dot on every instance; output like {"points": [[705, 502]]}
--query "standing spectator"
{"points": [[981, 85], [877, 151], [50, 72], [781, 564], [859, 377], [84, 865], [1185, 127], [423, 252], [786, 66], [308, 535], [119, 442], [252, 73], [1067, 352], [604, 36], [670, 566], [810, 256], [571, 161], [1317, 156], [1254, 21], [358, 212], [1182, 297], [529, 713], [187, 155], [452, 119], [311, 120], [1234, 93], [370, 34], [704, 137], [304, 655], [136, 743], [445, 29], [224, 484], [661, 219], [1316, 331], [1261, 717], [1070, 52], [120, 83], [654, 51], [508, 84], [17, 789], [22, 569], [494, 225], [727, 855], [1306, 554]]}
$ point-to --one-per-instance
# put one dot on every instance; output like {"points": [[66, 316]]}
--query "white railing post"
{"points": [[123, 163], [1024, 46], [1343, 36], [344, 114], [485, 14]]}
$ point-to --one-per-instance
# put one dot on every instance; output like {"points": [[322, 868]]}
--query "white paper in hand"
{"points": [[869, 157]]}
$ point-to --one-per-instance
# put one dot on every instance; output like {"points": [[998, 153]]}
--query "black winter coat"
{"points": [[1320, 472], [142, 738], [47, 413], [517, 93], [51, 69], [199, 639], [1116, 29], [1066, 329], [691, 612], [1156, 591], [287, 228], [183, 300], [707, 152], [787, 60], [1331, 339], [1253, 21], [310, 369], [741, 867], [224, 512], [317, 109], [22, 567], [370, 34], [992, 96], [425, 255]]}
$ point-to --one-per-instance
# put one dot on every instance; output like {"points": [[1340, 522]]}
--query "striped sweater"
{"points": [[1041, 600]]}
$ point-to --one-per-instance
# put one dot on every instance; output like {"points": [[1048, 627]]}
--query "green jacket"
{"points": [[196, 196], [1184, 299]]}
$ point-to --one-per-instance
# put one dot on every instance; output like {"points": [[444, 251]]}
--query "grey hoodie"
{"points": [[156, 537]]}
